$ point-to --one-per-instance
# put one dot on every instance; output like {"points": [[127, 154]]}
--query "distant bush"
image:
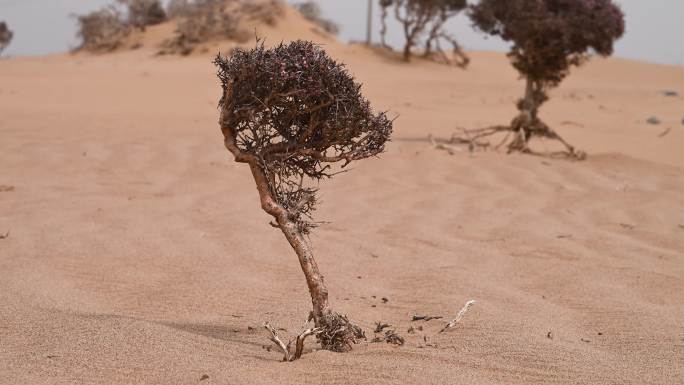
{"points": [[201, 21], [418, 17], [266, 11], [312, 12], [102, 31], [142, 13], [6, 36], [548, 38]]}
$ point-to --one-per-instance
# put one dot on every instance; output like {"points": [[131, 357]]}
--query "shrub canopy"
{"points": [[297, 111], [550, 36]]}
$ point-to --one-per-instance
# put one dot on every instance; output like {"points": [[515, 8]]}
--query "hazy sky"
{"points": [[655, 31]]}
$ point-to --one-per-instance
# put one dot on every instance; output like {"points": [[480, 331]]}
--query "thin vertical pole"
{"points": [[369, 24]]}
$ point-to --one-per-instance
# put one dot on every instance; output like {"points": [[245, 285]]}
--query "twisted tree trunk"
{"points": [[336, 332], [314, 279]]}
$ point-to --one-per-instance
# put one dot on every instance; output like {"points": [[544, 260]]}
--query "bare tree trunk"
{"points": [[383, 27], [522, 124], [369, 25], [529, 102], [314, 279], [407, 51]]}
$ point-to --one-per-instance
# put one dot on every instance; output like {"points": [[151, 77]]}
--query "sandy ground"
{"points": [[138, 253]]}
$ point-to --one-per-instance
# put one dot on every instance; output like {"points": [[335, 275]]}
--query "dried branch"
{"points": [[460, 315], [418, 317], [289, 354]]}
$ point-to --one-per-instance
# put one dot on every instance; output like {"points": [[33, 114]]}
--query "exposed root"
{"points": [[337, 333], [516, 139], [459, 316], [291, 352]]}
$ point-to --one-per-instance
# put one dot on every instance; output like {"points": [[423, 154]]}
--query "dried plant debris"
{"points": [[379, 327], [391, 337], [295, 347], [664, 133], [459, 316], [654, 120], [338, 333], [418, 317]]}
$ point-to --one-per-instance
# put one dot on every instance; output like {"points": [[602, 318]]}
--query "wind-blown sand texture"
{"points": [[138, 253]]}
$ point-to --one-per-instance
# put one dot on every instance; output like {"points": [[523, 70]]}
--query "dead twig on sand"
{"points": [[290, 355], [390, 335], [667, 131], [379, 327], [460, 315], [418, 317]]}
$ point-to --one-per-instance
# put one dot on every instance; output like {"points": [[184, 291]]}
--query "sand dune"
{"points": [[138, 254]]}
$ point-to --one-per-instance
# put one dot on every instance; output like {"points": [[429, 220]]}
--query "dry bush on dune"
{"points": [[102, 31], [549, 37], [6, 36], [105, 30], [312, 12], [200, 26], [418, 17], [142, 13], [291, 113], [206, 20], [264, 11]]}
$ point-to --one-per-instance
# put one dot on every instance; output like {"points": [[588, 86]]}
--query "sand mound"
{"points": [[274, 21]]}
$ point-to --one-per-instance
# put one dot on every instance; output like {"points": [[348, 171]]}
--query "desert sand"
{"points": [[138, 253]]}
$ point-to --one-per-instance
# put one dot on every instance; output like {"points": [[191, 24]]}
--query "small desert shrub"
{"points": [[265, 11], [420, 16], [6, 36], [548, 38], [201, 22], [142, 13], [102, 31], [312, 12], [291, 113], [205, 20]]}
